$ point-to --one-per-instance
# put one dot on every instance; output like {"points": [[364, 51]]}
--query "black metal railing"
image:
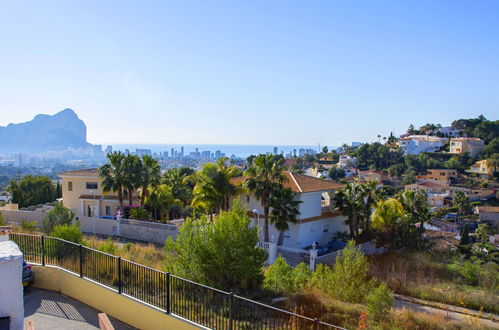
{"points": [[199, 303]]}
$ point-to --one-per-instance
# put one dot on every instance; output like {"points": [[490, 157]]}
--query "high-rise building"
{"points": [[206, 154], [172, 153], [275, 150], [294, 152], [182, 152]]}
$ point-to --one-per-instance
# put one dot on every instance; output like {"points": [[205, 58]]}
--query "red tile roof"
{"points": [[300, 183]]}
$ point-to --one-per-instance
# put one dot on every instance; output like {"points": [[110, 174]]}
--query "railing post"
{"points": [[316, 324], [43, 250], [81, 260], [119, 275], [168, 293], [231, 298]]}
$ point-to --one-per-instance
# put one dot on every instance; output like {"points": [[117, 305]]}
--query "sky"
{"points": [[249, 72]]}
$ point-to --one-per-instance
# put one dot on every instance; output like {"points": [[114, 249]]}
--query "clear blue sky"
{"points": [[249, 72]]}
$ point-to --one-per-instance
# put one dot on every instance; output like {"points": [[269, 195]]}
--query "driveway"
{"points": [[52, 310]]}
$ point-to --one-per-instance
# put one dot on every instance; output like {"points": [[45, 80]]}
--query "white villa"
{"points": [[416, 144], [317, 222]]}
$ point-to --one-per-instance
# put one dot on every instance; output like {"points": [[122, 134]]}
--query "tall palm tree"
{"points": [[150, 176], [113, 175], [350, 201], [133, 171], [264, 176], [461, 202], [285, 210], [370, 195], [175, 179]]}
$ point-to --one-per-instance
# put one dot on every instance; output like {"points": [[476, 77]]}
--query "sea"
{"points": [[240, 151]]}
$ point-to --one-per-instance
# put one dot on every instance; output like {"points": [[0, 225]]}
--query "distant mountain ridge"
{"points": [[45, 133]]}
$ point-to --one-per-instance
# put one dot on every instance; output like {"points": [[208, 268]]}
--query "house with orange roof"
{"points": [[318, 220], [473, 146]]}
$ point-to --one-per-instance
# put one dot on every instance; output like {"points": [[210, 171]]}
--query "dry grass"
{"points": [[420, 275], [142, 253]]}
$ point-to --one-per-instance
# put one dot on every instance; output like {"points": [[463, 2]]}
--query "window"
{"points": [[70, 186], [92, 185], [108, 210]]}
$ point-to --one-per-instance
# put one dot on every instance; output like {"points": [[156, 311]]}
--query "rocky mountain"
{"points": [[44, 133]]}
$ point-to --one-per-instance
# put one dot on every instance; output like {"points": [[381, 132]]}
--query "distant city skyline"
{"points": [[267, 73]]}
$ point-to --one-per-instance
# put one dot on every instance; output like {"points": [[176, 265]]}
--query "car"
{"points": [[28, 275]]}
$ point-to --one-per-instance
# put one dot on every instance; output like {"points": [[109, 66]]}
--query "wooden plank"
{"points": [[104, 322]]}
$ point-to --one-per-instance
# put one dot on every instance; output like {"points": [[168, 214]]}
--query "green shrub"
{"points": [[70, 233], [59, 215], [107, 247], [29, 226], [379, 302], [279, 277], [139, 213], [2, 221], [301, 277]]}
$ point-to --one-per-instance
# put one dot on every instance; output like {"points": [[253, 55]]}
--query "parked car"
{"points": [[28, 275]]}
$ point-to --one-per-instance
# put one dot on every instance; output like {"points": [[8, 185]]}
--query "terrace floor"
{"points": [[52, 310]]}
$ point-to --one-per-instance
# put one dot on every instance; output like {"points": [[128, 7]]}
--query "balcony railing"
{"points": [[199, 303]]}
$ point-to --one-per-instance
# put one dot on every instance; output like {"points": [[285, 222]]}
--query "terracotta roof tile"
{"points": [[300, 183]]}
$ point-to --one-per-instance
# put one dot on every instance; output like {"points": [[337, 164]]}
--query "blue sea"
{"points": [[241, 151]]}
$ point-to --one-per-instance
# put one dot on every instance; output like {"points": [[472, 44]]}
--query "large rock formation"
{"points": [[44, 133]]}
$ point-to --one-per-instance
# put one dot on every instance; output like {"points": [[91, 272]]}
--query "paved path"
{"points": [[52, 310], [450, 315]]}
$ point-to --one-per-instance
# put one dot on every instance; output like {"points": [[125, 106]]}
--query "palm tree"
{"points": [[370, 194], [213, 188], [159, 199], [285, 209], [351, 202], [113, 174], [387, 214], [265, 175], [150, 176], [415, 203], [133, 172], [461, 202], [175, 179]]}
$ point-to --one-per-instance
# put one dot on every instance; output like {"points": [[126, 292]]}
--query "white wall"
{"points": [[11, 289], [311, 205], [313, 231]]}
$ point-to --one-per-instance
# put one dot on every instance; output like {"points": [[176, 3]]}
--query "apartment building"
{"points": [[473, 146]]}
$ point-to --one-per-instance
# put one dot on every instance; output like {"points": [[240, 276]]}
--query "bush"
{"points": [[59, 215], [379, 302], [108, 247], [29, 226], [301, 277], [279, 277], [70, 233], [349, 281], [139, 213], [2, 221]]}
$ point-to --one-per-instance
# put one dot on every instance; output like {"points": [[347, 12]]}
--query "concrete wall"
{"points": [[147, 231], [121, 307], [11, 289], [131, 229]]}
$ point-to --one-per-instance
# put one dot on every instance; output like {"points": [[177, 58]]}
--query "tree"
{"points": [[411, 130], [279, 277], [415, 203], [180, 187], [379, 302], [213, 188], [465, 235], [461, 202], [349, 281], [336, 173], [59, 215], [133, 176], [369, 194], [2, 221], [491, 148], [32, 190], [350, 202], [487, 130], [482, 232], [150, 176], [223, 253], [71, 233], [113, 174], [264, 176], [386, 215], [285, 210], [158, 201]]}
